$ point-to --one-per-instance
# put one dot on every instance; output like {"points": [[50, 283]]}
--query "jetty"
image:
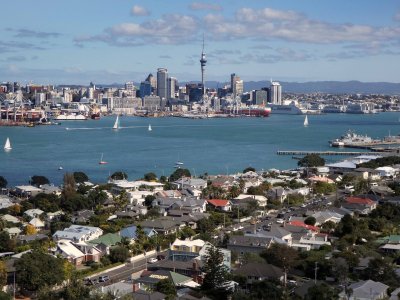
{"points": [[326, 153]]}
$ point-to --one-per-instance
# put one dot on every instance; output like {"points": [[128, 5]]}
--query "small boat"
{"points": [[7, 145], [102, 162], [150, 128], [116, 124], [179, 163], [60, 168], [306, 121]]}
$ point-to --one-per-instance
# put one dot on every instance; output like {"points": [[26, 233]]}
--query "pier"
{"points": [[325, 153]]}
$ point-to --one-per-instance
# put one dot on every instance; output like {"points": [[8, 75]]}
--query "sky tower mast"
{"points": [[203, 62]]}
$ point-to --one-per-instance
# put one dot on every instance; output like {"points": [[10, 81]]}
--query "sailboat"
{"points": [[102, 162], [306, 121], [7, 145], [116, 124], [150, 128]]}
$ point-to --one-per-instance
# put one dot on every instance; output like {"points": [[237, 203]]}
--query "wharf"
{"points": [[344, 153]]}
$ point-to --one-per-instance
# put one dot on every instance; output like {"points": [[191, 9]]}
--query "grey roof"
{"points": [[366, 289], [250, 241], [262, 270], [144, 295], [159, 224]]}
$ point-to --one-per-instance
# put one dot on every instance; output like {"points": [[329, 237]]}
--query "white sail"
{"points": [[116, 124], [7, 145], [150, 128], [306, 121]]}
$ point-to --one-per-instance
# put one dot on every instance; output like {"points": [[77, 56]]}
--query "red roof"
{"points": [[356, 200], [298, 223], [218, 202]]}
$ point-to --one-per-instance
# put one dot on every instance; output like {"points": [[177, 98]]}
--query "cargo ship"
{"points": [[251, 111]]}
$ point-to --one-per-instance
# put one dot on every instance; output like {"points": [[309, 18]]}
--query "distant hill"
{"points": [[330, 87], [333, 87]]}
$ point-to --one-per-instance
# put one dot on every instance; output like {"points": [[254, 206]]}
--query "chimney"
{"points": [[136, 287]]}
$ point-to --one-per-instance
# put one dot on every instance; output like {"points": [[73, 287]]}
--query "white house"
{"points": [[387, 171], [78, 233]]}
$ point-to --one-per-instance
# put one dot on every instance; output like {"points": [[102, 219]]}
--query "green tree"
{"points": [[39, 180], [3, 274], [150, 176], [6, 244], [119, 175], [216, 273], [69, 190], [5, 296], [321, 292], [310, 221], [249, 169], [311, 160], [179, 173], [282, 256], [3, 182], [75, 289], [80, 177], [166, 286], [186, 232], [119, 254], [36, 270], [148, 200]]}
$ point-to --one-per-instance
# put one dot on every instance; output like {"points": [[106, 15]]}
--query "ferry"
{"points": [[352, 138], [250, 111]]}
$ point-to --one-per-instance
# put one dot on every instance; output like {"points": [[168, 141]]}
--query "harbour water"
{"points": [[216, 146]]}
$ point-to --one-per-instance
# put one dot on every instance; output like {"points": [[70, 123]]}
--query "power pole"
{"points": [[316, 269]]}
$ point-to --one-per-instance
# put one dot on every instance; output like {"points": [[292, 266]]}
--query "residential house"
{"points": [[190, 183], [261, 200], [277, 193], [26, 191], [366, 290], [368, 174], [149, 281], [256, 272], [138, 197], [324, 216], [33, 213], [192, 267], [82, 216], [387, 171], [77, 253], [314, 240], [37, 223], [5, 202], [361, 205], [146, 295], [129, 186], [10, 218], [218, 204], [162, 226], [251, 244], [223, 182], [13, 232], [51, 189], [130, 232], [184, 250], [78, 233], [169, 194]]}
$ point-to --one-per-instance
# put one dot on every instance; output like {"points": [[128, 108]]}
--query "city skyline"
{"points": [[108, 41]]}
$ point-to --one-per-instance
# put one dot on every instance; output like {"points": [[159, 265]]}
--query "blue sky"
{"points": [[106, 41]]}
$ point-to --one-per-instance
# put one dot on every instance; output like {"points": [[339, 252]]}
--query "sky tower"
{"points": [[203, 62]]}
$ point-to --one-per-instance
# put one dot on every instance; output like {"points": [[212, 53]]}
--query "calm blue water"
{"points": [[216, 146]]}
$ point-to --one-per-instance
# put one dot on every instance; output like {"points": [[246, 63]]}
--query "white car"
{"points": [[280, 221], [152, 260]]}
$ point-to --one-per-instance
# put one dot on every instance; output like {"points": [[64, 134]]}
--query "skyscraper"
{"points": [[162, 88], [171, 87], [236, 85], [203, 62], [275, 93]]}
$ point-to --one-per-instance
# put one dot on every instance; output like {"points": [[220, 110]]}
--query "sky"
{"points": [[115, 41]]}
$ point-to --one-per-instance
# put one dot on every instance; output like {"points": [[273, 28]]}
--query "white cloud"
{"points": [[139, 11], [205, 6]]}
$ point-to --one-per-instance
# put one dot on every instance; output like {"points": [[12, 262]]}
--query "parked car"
{"points": [[91, 281], [152, 260], [104, 278]]}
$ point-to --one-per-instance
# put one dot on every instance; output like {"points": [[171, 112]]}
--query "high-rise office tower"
{"points": [[275, 93], [236, 85], [171, 87], [162, 77], [203, 62]]}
